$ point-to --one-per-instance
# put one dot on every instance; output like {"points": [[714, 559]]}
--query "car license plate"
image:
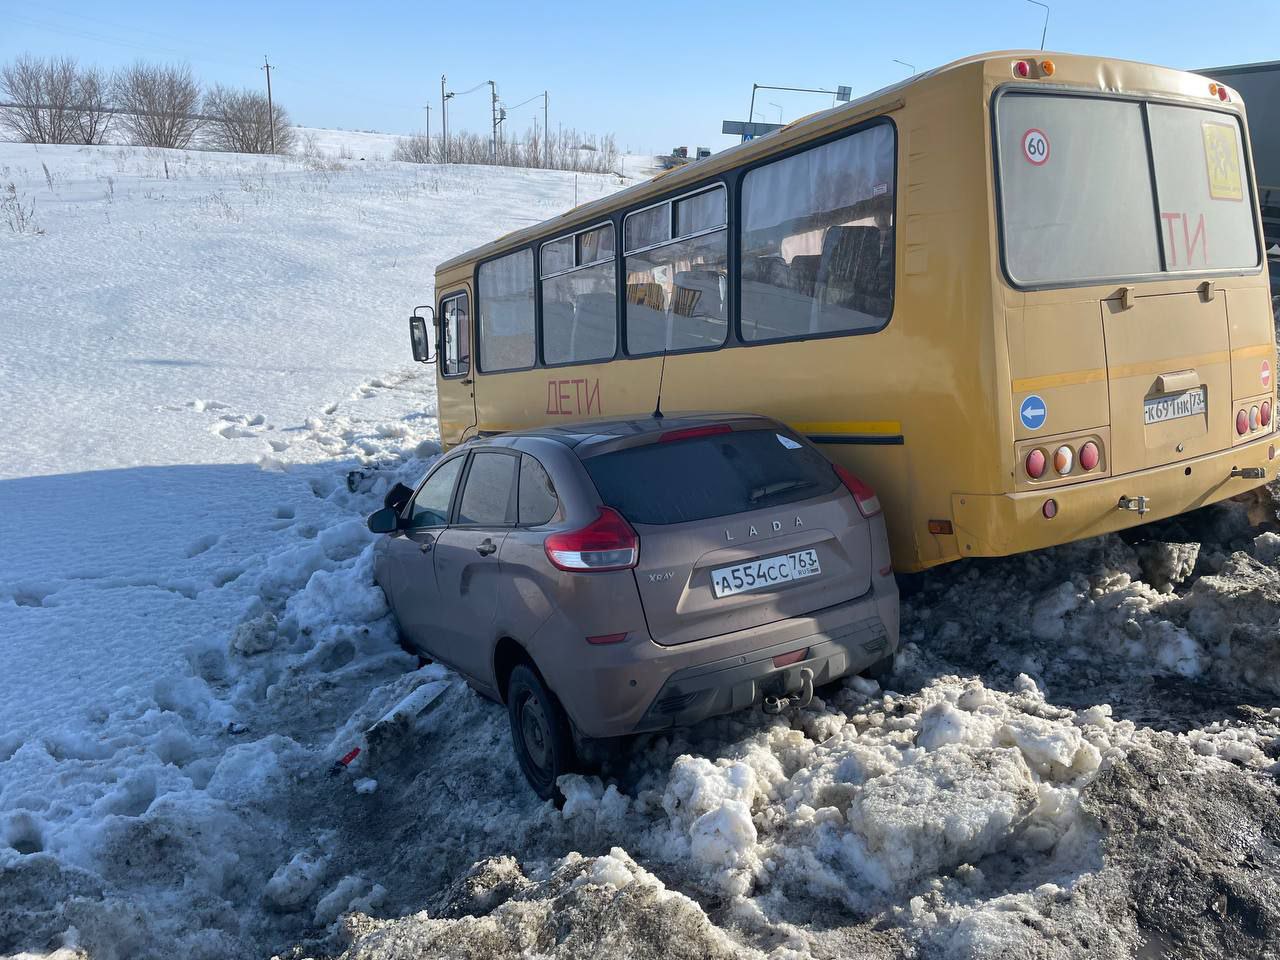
{"points": [[1174, 406], [768, 573]]}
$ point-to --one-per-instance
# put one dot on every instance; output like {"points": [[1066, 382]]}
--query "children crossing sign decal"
{"points": [[1035, 147], [1222, 159]]}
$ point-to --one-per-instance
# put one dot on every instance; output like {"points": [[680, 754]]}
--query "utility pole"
{"points": [[427, 129], [444, 119], [271, 113], [493, 107], [546, 130]]}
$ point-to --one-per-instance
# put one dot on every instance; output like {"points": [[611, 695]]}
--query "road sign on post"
{"points": [[748, 131], [844, 94]]}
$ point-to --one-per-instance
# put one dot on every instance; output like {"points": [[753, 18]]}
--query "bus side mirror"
{"points": [[420, 337]]}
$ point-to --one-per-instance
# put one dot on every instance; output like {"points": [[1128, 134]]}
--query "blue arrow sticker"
{"points": [[1033, 412]]}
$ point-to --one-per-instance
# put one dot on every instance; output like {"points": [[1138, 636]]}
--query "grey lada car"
{"points": [[609, 578]]}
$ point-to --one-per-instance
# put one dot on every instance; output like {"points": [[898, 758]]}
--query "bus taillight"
{"points": [[1063, 457], [1264, 415], [1035, 464], [1089, 456], [1242, 423]]}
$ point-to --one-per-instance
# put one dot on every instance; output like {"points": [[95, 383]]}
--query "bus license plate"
{"points": [[1175, 406], [765, 574]]}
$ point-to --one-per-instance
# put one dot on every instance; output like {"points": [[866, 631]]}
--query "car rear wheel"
{"points": [[540, 731]]}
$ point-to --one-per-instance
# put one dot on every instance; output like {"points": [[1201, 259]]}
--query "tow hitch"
{"points": [[1249, 473], [774, 705], [1138, 505]]}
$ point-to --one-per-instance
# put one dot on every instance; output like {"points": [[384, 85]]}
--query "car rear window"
{"points": [[710, 476]]}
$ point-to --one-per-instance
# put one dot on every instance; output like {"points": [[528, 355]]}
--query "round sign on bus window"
{"points": [[1035, 146]]}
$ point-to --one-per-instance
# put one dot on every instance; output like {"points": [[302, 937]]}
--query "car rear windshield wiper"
{"points": [[782, 486]]}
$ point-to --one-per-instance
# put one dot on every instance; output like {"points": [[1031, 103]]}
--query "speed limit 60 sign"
{"points": [[1035, 146]]}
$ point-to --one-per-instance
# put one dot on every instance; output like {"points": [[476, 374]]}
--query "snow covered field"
{"points": [[204, 388]]}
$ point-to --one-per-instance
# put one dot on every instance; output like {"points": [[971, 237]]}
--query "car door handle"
{"points": [[486, 547], [425, 546]]}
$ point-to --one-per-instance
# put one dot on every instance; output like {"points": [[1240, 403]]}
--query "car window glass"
{"points": [[538, 502], [430, 507], [488, 489], [736, 472]]}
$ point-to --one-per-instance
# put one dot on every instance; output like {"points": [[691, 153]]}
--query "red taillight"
{"points": [[1050, 509], [787, 659], [688, 433], [1022, 68], [608, 543], [607, 638], [1222, 94], [1242, 423], [1089, 455], [1264, 415], [866, 499], [1035, 464]]}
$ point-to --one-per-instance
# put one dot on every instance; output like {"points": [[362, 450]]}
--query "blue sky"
{"points": [[654, 73]]}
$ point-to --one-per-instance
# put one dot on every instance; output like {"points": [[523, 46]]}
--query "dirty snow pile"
{"points": [[988, 802]]}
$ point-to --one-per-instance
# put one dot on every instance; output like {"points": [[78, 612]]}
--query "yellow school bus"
{"points": [[1022, 295]]}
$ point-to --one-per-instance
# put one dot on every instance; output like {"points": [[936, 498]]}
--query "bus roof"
{"points": [[797, 131]]}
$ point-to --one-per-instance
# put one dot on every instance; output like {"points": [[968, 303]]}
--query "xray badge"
{"points": [[1032, 412]]}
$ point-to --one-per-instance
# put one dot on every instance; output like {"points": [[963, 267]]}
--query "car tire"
{"points": [[540, 732]]}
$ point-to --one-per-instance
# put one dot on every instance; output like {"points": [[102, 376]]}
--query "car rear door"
{"points": [[467, 562], [712, 509]]}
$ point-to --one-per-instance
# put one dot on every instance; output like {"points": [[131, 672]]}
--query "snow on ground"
{"points": [[1076, 757]]}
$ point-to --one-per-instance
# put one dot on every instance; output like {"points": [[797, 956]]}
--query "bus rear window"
{"points": [[710, 476], [1078, 198]]}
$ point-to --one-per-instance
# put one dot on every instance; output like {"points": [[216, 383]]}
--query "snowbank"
{"points": [[1072, 743]]}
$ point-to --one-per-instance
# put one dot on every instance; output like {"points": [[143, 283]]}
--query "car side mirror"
{"points": [[385, 520], [397, 497], [420, 336]]}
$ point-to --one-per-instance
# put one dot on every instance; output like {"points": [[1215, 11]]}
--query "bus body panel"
{"points": [[926, 409]]}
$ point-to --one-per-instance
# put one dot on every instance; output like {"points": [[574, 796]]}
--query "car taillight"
{"points": [[866, 499], [608, 543]]}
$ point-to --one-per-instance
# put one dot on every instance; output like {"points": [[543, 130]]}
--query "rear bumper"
{"points": [[638, 685], [1002, 524]]}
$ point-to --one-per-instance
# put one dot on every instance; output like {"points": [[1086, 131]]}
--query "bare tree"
{"points": [[413, 149], [42, 95], [93, 104], [159, 104], [240, 121]]}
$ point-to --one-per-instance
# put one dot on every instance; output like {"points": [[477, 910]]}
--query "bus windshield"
{"points": [[1096, 189]]}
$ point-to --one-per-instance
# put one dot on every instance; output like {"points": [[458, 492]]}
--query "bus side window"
{"points": [[817, 239], [455, 347], [677, 267]]}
